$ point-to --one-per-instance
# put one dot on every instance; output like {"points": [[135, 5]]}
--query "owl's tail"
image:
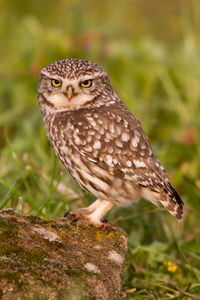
{"points": [[172, 202]]}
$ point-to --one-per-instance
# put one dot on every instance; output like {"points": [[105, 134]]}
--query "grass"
{"points": [[159, 82]]}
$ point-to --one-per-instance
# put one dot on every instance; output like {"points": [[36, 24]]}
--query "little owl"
{"points": [[99, 141]]}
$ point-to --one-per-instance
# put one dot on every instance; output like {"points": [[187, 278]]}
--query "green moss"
{"points": [[8, 229], [78, 287], [10, 276], [37, 257], [9, 248], [35, 220], [73, 273]]}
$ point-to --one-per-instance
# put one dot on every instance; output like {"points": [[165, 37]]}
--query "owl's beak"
{"points": [[70, 93]]}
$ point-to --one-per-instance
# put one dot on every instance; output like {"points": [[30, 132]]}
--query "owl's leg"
{"points": [[87, 210], [97, 215]]}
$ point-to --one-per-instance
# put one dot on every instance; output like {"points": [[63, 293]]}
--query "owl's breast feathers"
{"points": [[114, 140]]}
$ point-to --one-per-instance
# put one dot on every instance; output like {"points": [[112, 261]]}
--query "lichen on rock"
{"points": [[58, 259]]}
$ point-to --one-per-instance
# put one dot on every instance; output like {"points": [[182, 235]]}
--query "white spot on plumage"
{"points": [[111, 128], [95, 153], [129, 163], [110, 102], [105, 125], [110, 149], [90, 159], [118, 130], [118, 119], [77, 140], [115, 161], [125, 123], [108, 136], [88, 148], [118, 143], [146, 183], [97, 145], [62, 134], [91, 132], [76, 130], [99, 121], [101, 130], [137, 133], [64, 149], [125, 137], [139, 164], [109, 160], [89, 138], [92, 121], [134, 141], [83, 142]]}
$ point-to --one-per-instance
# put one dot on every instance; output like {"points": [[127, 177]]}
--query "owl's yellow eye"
{"points": [[86, 83], [56, 83]]}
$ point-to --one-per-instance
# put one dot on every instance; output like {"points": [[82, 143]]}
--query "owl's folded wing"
{"points": [[115, 141]]}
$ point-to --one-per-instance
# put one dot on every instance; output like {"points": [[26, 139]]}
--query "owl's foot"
{"points": [[78, 218], [93, 215], [74, 217], [85, 210]]}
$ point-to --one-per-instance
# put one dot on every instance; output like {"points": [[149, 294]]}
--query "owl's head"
{"points": [[72, 83]]}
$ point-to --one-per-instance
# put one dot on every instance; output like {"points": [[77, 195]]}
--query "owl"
{"points": [[99, 141]]}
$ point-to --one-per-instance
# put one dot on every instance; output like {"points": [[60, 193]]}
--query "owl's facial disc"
{"points": [[73, 83], [64, 93]]}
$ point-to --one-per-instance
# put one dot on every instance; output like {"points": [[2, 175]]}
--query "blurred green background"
{"points": [[151, 51]]}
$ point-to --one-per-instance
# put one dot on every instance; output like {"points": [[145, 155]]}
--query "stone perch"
{"points": [[58, 259]]}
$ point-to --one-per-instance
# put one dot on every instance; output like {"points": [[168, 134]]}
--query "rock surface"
{"points": [[58, 259]]}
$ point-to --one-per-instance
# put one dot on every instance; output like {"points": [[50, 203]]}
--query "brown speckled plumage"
{"points": [[100, 142]]}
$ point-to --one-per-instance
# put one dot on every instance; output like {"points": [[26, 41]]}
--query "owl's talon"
{"points": [[73, 215], [66, 214], [104, 219], [74, 221], [105, 226], [75, 218]]}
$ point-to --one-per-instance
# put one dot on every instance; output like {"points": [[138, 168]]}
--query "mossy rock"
{"points": [[59, 259]]}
